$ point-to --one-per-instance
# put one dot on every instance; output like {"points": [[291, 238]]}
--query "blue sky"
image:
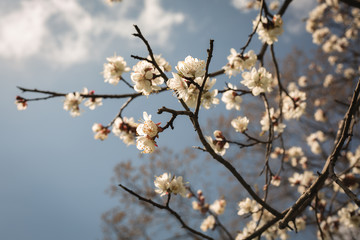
{"points": [[53, 174]]}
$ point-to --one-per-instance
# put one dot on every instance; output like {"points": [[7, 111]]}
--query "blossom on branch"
{"points": [[92, 102], [258, 81], [219, 145], [125, 129], [237, 62], [100, 131], [240, 124], [146, 78], [275, 121], [269, 30], [166, 184], [113, 70], [191, 68], [218, 207], [208, 223], [248, 206], [72, 102], [231, 98], [147, 131], [21, 103]]}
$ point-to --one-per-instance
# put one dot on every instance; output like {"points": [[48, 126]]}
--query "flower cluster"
{"points": [[100, 131], [147, 131], [146, 78], [275, 121], [257, 80], [113, 70], [238, 63], [72, 102], [294, 105], [269, 30], [303, 181], [187, 81], [166, 184], [314, 140], [125, 129], [219, 145]]}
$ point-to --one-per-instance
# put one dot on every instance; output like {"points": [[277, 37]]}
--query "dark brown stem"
{"points": [[167, 208]]}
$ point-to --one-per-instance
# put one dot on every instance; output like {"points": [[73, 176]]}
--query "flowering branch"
{"points": [[310, 193], [167, 208]]}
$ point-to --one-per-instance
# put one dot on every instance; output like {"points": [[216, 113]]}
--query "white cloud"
{"points": [[65, 32]]}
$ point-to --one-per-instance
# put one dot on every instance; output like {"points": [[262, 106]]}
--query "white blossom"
{"points": [[208, 223], [166, 184], [72, 102], [237, 62], [162, 63], [146, 78], [248, 206], [320, 116], [350, 215], [21, 103], [219, 146], [191, 67], [240, 124], [328, 80], [314, 140], [113, 70], [92, 102], [179, 85], [257, 81], [354, 160], [295, 105], [218, 207], [231, 98], [275, 117], [100, 131], [148, 127], [125, 129], [269, 30]]}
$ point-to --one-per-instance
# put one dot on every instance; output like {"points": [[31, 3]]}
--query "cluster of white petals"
{"points": [[166, 184], [146, 78], [354, 160], [295, 105], [21, 103], [238, 63], [191, 67], [162, 63], [208, 223], [185, 83], [218, 207], [350, 215], [125, 129], [231, 98], [248, 206], [100, 131], [258, 81], [113, 70], [72, 102], [147, 131], [240, 124], [320, 115], [303, 181], [314, 140], [275, 121], [92, 102], [219, 144], [269, 30]]}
